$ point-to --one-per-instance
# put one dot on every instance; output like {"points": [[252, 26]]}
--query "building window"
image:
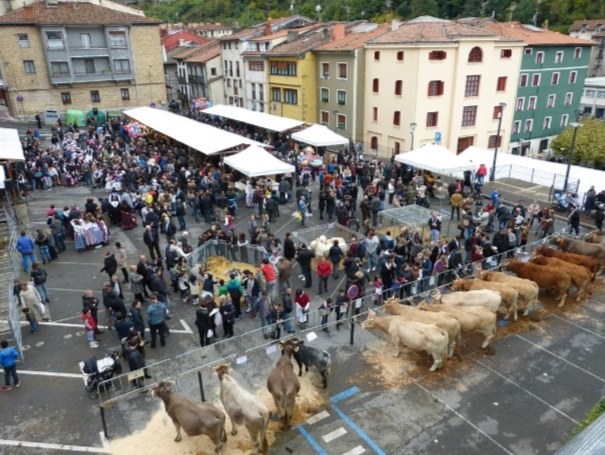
{"points": [[324, 117], [341, 122], [531, 103], [397, 148], [23, 40], [506, 53], [589, 93], [559, 57], [535, 79], [469, 115], [400, 55], [539, 57], [374, 143], [564, 120], [600, 94], [59, 68], [29, 67], [472, 85], [325, 70], [551, 101], [89, 66], [121, 66], [85, 40], [342, 71], [432, 118], [376, 55], [436, 88], [94, 96], [577, 52], [475, 55], [342, 97], [374, 114], [290, 96], [547, 123], [554, 79], [213, 71], [125, 94], [283, 68], [325, 95], [529, 125], [523, 80], [375, 85], [66, 97], [275, 94], [494, 141], [497, 112], [501, 85], [398, 87], [573, 77], [397, 118], [54, 40], [519, 106], [568, 99], [256, 66], [437, 55], [528, 51], [117, 39], [516, 126]]}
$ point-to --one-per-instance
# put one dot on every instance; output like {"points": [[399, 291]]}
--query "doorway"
{"points": [[464, 143]]}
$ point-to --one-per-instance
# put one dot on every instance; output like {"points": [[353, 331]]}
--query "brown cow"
{"points": [[595, 237], [543, 275], [588, 262], [509, 294], [596, 250], [194, 417], [283, 384], [580, 277]]}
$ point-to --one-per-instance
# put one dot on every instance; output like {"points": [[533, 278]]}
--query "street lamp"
{"points": [[492, 173], [572, 148], [413, 126]]}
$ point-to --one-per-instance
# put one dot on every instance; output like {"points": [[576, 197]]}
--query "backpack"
{"points": [[361, 250], [503, 213]]}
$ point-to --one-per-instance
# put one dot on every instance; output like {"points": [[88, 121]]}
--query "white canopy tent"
{"points": [[319, 136], [434, 158], [256, 162], [260, 119], [10, 145], [202, 137]]}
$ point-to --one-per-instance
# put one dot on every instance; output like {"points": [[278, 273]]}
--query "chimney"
{"points": [[292, 35], [395, 25], [267, 29], [29, 13], [338, 31]]}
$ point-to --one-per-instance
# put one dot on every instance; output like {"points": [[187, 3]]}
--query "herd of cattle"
{"points": [[434, 326]]}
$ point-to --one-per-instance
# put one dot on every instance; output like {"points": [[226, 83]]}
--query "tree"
{"points": [[588, 149]]}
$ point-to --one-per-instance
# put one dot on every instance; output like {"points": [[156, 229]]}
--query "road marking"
{"points": [[464, 418], [311, 441], [525, 390], [562, 358], [355, 451], [353, 426], [50, 446], [50, 373], [344, 395], [186, 326], [579, 326], [334, 434], [317, 417], [102, 327], [104, 440]]}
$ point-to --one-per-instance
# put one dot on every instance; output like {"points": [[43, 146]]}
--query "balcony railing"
{"points": [[86, 52], [101, 76]]}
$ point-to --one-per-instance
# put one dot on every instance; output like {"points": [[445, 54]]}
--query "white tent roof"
{"points": [[319, 136], [199, 136], [261, 119], [256, 161], [434, 158], [10, 145]]}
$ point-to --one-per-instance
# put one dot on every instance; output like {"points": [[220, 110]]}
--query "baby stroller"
{"points": [[96, 371], [561, 202]]}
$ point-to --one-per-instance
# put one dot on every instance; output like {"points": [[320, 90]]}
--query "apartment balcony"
{"points": [[88, 52], [81, 78]]}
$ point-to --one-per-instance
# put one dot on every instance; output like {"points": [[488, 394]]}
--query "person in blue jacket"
{"points": [[26, 246], [8, 360]]}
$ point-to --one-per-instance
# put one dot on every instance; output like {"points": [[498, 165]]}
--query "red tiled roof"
{"points": [[172, 40], [533, 37], [590, 24], [354, 40], [205, 53], [307, 39], [72, 13], [430, 32]]}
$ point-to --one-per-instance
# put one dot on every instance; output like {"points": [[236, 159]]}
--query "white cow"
{"points": [[481, 297], [472, 319], [244, 408], [528, 290], [411, 334]]}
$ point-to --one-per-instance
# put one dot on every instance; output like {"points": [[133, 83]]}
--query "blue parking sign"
{"points": [[437, 136]]}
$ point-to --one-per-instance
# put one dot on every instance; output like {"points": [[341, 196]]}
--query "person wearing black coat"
{"points": [[203, 323], [136, 361], [90, 301], [500, 241], [136, 316], [151, 239], [305, 256], [113, 304], [289, 247]]}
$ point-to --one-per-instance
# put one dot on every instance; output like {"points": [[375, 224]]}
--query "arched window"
{"points": [[475, 55]]}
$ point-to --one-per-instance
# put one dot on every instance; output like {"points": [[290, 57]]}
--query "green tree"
{"points": [[588, 149]]}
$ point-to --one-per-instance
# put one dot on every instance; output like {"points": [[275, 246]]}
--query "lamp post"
{"points": [[413, 126], [492, 173], [572, 148]]}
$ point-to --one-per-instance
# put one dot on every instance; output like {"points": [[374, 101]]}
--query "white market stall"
{"points": [[435, 158], [255, 161], [260, 119], [11, 148], [199, 136], [319, 136]]}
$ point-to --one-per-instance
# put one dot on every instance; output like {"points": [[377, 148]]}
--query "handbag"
{"points": [[210, 333]]}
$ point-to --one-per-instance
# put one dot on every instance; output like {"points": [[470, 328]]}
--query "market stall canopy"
{"points": [[319, 136], [10, 145], [202, 137], [255, 161], [260, 119], [435, 158]]}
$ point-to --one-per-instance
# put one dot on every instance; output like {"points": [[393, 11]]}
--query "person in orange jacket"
{"points": [[324, 270]]}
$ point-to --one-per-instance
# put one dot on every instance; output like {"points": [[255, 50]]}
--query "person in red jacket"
{"points": [[270, 277], [324, 270], [303, 305]]}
